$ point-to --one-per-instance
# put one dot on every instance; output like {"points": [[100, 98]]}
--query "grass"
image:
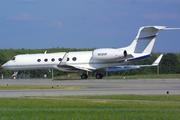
{"points": [[18, 87], [55, 109], [16, 108], [125, 97]]}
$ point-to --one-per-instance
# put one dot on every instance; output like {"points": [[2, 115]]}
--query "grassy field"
{"points": [[125, 97], [18, 87], [55, 109]]}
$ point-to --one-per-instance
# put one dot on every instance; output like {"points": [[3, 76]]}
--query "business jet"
{"points": [[109, 59]]}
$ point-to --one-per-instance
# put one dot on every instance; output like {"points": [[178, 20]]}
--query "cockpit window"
{"points": [[13, 58]]}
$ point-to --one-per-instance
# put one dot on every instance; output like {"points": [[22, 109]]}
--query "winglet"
{"points": [[156, 62]]}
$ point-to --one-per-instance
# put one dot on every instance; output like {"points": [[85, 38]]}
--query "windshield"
{"points": [[13, 58]]}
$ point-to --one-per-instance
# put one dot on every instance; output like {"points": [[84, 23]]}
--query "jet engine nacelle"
{"points": [[109, 54]]}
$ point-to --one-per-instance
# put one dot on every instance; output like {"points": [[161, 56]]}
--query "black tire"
{"points": [[84, 76], [99, 76]]}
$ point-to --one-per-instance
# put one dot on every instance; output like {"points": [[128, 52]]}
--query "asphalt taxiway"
{"points": [[94, 87]]}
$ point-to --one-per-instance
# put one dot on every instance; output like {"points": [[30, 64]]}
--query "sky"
{"points": [[43, 24]]}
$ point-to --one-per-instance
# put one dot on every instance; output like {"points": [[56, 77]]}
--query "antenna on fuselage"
{"points": [[45, 52]]}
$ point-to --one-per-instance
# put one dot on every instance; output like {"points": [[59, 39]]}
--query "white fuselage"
{"points": [[52, 60]]}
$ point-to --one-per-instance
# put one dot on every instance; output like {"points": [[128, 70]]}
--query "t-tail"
{"points": [[144, 41]]}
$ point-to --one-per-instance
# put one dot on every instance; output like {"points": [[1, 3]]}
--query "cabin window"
{"points": [[46, 60], [52, 59], [39, 60], [13, 58], [60, 59], [74, 59]]}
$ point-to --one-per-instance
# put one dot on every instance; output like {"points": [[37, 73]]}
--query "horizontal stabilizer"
{"points": [[171, 29]]}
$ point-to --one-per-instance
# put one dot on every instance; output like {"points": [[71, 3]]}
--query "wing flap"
{"points": [[82, 68]]}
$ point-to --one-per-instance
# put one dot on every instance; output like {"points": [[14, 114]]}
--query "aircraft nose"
{"points": [[4, 65]]}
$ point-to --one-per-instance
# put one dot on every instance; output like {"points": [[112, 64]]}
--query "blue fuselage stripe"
{"points": [[142, 57]]}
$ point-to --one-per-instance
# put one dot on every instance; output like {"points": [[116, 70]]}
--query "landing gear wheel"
{"points": [[99, 76], [84, 76]]}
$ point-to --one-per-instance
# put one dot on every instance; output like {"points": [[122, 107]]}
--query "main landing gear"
{"points": [[99, 76], [85, 76], [82, 74]]}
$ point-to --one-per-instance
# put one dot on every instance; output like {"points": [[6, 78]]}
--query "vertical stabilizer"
{"points": [[144, 41]]}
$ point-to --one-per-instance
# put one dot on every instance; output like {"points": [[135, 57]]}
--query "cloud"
{"points": [[55, 23], [25, 17], [160, 16]]}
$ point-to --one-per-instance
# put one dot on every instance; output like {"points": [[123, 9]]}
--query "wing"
{"points": [[128, 67], [68, 67]]}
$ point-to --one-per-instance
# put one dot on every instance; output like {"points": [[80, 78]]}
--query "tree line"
{"points": [[170, 63]]}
